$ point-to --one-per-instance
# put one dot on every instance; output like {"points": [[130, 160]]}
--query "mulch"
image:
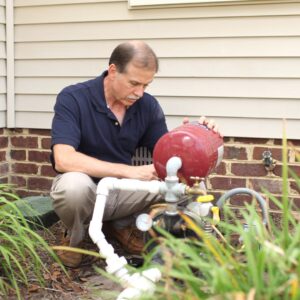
{"points": [[83, 283]]}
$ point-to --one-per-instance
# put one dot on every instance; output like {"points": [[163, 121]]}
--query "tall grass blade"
{"points": [[19, 247]]}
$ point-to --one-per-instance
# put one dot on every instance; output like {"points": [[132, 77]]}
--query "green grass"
{"points": [[19, 246], [264, 264]]}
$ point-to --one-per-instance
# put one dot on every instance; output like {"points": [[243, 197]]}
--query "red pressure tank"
{"points": [[200, 149]]}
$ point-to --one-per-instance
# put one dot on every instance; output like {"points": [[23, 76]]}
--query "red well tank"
{"points": [[200, 149]]}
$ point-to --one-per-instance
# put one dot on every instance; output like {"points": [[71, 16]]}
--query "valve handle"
{"points": [[205, 198], [196, 179], [216, 214]]}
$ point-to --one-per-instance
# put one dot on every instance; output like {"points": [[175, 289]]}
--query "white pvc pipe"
{"points": [[138, 282], [111, 183], [173, 165]]}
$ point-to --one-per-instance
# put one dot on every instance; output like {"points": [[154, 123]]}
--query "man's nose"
{"points": [[139, 91]]}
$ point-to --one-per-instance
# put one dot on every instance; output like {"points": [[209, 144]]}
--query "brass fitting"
{"points": [[195, 189]]}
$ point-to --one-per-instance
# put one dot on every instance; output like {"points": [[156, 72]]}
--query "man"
{"points": [[96, 128]]}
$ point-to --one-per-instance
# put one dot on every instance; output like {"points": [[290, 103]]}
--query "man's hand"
{"points": [[67, 159], [209, 123], [146, 172]]}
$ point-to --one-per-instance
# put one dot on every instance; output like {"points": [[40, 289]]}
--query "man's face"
{"points": [[129, 86]]}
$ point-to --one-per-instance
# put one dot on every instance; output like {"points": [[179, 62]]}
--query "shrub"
{"points": [[264, 263], [19, 246]]}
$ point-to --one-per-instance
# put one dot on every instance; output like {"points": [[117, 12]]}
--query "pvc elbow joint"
{"points": [[173, 165], [140, 283]]}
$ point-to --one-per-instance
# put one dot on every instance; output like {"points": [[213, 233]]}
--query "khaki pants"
{"points": [[74, 196]]}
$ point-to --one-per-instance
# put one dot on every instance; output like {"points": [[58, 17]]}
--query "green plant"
{"points": [[263, 264], [19, 246]]}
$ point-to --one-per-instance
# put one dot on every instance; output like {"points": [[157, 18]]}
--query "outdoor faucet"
{"points": [[268, 161]]}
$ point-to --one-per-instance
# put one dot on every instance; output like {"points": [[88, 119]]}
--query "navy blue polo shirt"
{"points": [[83, 120]]}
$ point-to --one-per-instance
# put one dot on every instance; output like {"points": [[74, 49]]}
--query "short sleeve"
{"points": [[157, 127], [66, 121]]}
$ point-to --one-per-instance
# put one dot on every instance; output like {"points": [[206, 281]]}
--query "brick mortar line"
{"points": [[236, 147]]}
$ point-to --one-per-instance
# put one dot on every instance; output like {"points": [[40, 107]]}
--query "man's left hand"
{"points": [[210, 123]]}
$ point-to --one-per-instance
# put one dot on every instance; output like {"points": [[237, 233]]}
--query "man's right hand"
{"points": [[145, 172], [69, 160]]}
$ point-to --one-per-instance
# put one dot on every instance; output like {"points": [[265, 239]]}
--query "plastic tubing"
{"points": [[259, 198]]}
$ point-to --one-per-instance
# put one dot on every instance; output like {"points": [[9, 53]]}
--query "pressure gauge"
{"points": [[144, 222]]}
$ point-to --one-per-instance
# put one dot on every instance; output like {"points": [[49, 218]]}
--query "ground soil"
{"points": [[83, 283]]}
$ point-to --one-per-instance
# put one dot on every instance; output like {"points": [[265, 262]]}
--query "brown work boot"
{"points": [[69, 258], [130, 238]]}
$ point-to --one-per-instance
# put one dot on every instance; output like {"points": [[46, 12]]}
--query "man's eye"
{"points": [[134, 84]]}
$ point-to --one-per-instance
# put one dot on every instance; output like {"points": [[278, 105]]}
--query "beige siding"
{"points": [[3, 105], [238, 64], [246, 47]]}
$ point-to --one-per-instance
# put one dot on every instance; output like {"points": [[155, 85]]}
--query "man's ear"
{"points": [[112, 70]]}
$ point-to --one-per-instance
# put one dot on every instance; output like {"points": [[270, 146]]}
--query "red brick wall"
{"points": [[24, 161], [242, 167], [28, 157]]}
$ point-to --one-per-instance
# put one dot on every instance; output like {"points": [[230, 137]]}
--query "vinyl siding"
{"points": [[3, 105], [238, 64]]}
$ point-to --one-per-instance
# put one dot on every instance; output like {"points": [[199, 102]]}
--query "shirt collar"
{"points": [[97, 92], [98, 99]]}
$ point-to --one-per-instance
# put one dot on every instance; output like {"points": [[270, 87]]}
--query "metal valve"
{"points": [[268, 160], [196, 188], [196, 180]]}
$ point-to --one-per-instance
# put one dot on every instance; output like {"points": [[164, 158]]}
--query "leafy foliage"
{"points": [[19, 246], [263, 263]]}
